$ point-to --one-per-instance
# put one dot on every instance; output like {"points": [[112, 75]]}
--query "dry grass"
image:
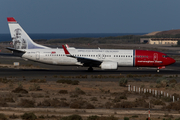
{"points": [[26, 103], [88, 95]]}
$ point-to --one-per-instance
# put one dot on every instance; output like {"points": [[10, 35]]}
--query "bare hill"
{"points": [[169, 32], [152, 33]]}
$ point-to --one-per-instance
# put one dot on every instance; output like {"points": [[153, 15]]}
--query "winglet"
{"points": [[11, 19], [67, 46], [65, 50]]}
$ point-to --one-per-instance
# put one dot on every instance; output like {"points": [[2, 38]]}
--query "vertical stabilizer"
{"points": [[20, 38]]}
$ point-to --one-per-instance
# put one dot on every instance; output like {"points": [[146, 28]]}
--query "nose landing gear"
{"points": [[161, 67]]}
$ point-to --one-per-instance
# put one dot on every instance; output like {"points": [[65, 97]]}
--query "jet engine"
{"points": [[109, 65]]}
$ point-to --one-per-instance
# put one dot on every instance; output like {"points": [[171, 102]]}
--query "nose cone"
{"points": [[171, 61]]}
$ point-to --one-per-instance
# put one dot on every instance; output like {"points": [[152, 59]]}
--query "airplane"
{"points": [[106, 59]]}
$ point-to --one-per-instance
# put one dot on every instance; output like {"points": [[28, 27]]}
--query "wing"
{"points": [[85, 61]]}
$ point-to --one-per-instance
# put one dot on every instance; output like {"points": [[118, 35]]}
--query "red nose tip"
{"points": [[172, 61]]}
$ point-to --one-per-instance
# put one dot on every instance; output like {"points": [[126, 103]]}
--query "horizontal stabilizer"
{"points": [[12, 49]]}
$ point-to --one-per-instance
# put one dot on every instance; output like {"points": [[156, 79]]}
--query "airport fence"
{"points": [[154, 92]]}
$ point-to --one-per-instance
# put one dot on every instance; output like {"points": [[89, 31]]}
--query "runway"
{"points": [[82, 71], [51, 70]]}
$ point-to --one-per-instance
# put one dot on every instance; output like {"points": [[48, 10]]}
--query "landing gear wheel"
{"points": [[90, 69], [157, 70]]}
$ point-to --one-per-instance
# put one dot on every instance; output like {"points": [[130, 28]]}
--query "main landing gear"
{"points": [[90, 69], [157, 70]]}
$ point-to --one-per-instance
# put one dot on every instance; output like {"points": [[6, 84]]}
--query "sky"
{"points": [[91, 16]]}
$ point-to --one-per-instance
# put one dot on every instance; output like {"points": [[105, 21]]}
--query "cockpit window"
{"points": [[165, 56]]}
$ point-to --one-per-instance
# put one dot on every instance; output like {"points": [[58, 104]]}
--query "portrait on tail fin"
{"points": [[20, 38], [18, 41]]}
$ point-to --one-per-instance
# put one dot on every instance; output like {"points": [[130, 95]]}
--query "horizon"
{"points": [[7, 37]]}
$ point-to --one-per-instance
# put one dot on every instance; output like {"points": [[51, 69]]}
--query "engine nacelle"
{"points": [[109, 65]]}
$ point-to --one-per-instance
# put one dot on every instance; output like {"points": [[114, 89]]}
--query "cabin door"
{"points": [[37, 55]]}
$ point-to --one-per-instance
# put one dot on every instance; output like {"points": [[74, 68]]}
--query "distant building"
{"points": [[163, 41]]}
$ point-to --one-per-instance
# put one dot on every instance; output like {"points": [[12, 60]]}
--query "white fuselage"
{"points": [[58, 57]]}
